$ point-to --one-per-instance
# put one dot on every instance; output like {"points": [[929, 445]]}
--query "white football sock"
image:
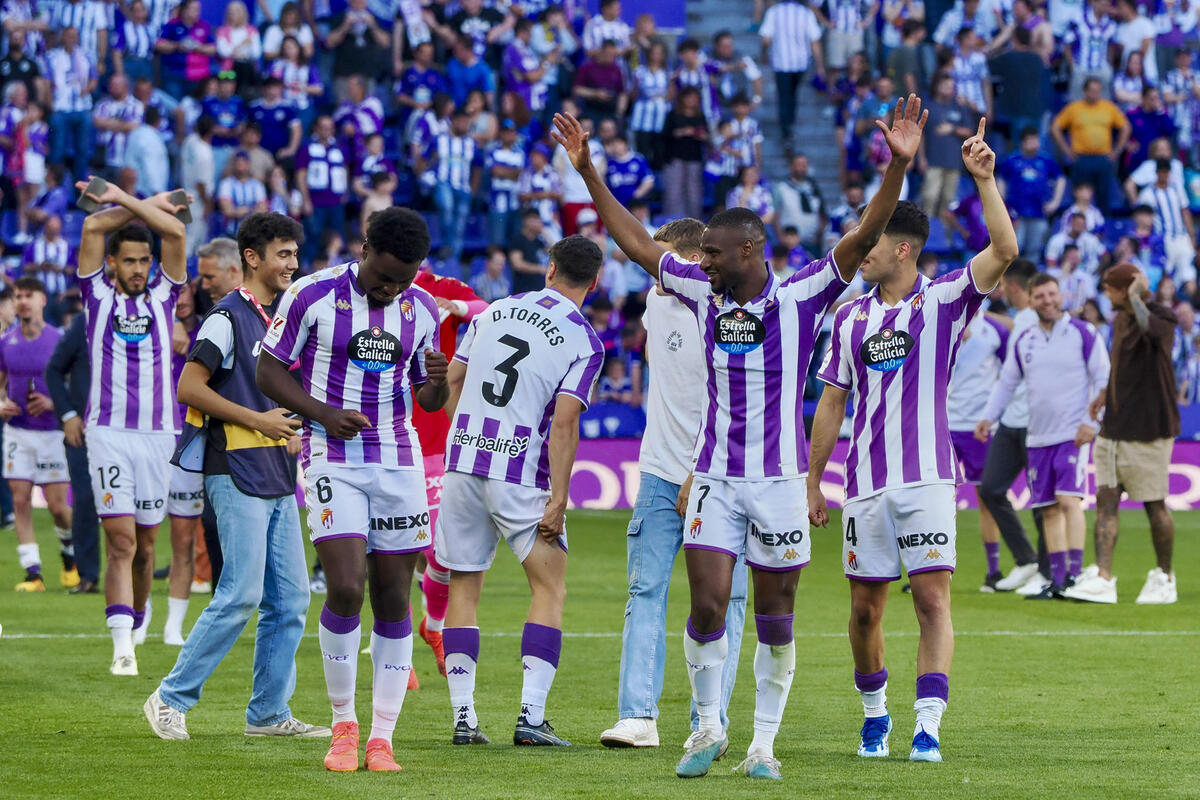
{"points": [[340, 651], [64, 540], [929, 715], [774, 666], [139, 633], [392, 661], [29, 556], [705, 662], [460, 678], [875, 703], [176, 612], [538, 678], [121, 628]]}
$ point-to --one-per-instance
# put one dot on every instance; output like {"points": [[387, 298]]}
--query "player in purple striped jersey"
{"points": [[520, 380], [894, 349], [131, 403], [362, 338], [758, 335]]}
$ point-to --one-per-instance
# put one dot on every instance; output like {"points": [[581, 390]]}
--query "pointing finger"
{"points": [[982, 125]]}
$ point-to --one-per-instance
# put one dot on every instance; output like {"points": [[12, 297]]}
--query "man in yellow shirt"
{"points": [[1091, 151]]}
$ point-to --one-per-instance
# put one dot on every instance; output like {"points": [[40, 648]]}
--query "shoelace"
{"points": [[343, 740], [924, 741], [874, 729], [772, 763]]}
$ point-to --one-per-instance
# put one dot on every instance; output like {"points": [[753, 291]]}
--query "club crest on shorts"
{"points": [[886, 350], [326, 518], [694, 528], [852, 560], [373, 350], [738, 331]]}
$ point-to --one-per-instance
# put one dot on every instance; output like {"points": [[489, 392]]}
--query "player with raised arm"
{"points": [[457, 304], [34, 453], [364, 337], [746, 496], [522, 376], [894, 350], [131, 424]]}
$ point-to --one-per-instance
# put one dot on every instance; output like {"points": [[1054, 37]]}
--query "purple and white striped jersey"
{"points": [[757, 357], [1062, 370], [521, 354], [897, 361], [325, 171], [129, 348], [353, 356], [128, 110], [976, 370]]}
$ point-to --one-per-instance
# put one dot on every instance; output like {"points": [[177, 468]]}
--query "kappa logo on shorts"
{"points": [[422, 536], [790, 555], [852, 560], [932, 554], [694, 528], [922, 540], [326, 518]]}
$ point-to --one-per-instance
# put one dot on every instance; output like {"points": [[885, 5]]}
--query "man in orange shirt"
{"points": [[1091, 151]]}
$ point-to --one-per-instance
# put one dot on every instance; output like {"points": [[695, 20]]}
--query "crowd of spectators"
{"points": [[330, 110]]}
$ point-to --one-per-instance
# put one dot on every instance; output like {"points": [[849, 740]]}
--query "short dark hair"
{"points": [[205, 125], [1022, 36], [400, 232], [130, 233], [1020, 271], [1075, 214], [688, 44], [523, 24], [909, 222], [910, 27], [1142, 208], [722, 34], [578, 259], [1068, 248], [681, 234], [1029, 130], [1041, 279], [28, 283], [744, 219], [1090, 81], [151, 116], [259, 230], [740, 99], [1162, 165]]}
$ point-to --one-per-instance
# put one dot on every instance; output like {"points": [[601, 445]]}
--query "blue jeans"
{"points": [[453, 206], [264, 571], [655, 536], [71, 131], [85, 525]]}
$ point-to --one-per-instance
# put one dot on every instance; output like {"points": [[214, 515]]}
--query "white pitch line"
{"points": [[614, 635]]}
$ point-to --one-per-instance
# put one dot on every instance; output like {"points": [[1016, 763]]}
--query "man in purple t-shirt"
{"points": [[321, 174], [186, 42], [600, 85], [35, 451]]}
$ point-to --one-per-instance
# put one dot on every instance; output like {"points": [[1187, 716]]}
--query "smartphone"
{"points": [[179, 197], [96, 186]]}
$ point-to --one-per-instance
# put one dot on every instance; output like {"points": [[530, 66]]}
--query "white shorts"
{"points": [[385, 507], [478, 512], [766, 520], [186, 498], [913, 526], [36, 456], [131, 473]]}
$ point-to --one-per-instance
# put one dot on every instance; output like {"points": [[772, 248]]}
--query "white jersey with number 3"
{"points": [[520, 354]]}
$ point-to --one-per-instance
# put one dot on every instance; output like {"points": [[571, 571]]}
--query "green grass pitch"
{"points": [[1046, 700]]}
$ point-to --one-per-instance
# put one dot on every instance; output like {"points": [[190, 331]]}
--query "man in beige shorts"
{"points": [[1133, 450]]}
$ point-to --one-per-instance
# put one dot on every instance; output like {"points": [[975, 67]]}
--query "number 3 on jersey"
{"points": [[501, 396]]}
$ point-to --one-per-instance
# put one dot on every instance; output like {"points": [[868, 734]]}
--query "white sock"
{"points": [[392, 661], [121, 628], [176, 612], [875, 703], [29, 556], [705, 662], [774, 666], [929, 715], [139, 633], [64, 540], [460, 678], [340, 651], [434, 625], [538, 678]]}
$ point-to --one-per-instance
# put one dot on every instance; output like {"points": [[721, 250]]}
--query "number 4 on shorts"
{"points": [[851, 534]]}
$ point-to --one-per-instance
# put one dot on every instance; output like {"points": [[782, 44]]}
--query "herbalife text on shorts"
{"points": [[509, 447]]}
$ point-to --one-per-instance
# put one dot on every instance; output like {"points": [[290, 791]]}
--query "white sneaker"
{"points": [[290, 727], [173, 638], [631, 732], [165, 721], [1034, 585], [1159, 589], [124, 665], [1017, 578], [201, 587], [1091, 588]]}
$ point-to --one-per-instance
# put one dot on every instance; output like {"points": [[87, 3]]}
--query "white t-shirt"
{"points": [[1016, 413], [573, 187], [673, 410], [1130, 36]]}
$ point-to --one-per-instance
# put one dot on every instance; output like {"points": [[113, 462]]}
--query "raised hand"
{"points": [[163, 201], [436, 366], [574, 139], [978, 158], [908, 123], [111, 194]]}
